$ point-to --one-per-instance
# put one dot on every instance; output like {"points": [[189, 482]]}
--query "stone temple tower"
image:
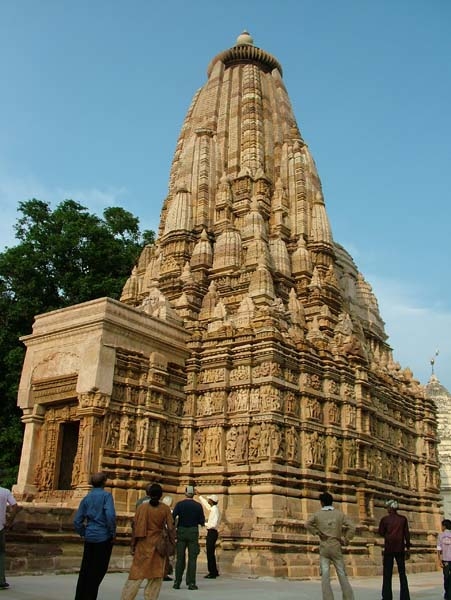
{"points": [[442, 399], [247, 354]]}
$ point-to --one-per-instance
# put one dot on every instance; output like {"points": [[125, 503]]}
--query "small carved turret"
{"points": [[261, 286], [179, 213], [202, 256], [321, 242], [227, 251]]}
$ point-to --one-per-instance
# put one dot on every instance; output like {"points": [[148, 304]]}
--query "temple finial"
{"points": [[432, 361], [244, 39]]}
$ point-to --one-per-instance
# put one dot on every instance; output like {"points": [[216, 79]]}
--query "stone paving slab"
{"points": [[423, 586]]}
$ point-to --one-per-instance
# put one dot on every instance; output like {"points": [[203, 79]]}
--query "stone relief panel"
{"points": [[154, 399], [207, 445], [292, 445], [127, 433], [188, 405], [210, 403], [316, 382], [351, 416], [347, 391], [119, 393], [238, 400], [334, 453], [350, 453], [272, 442], [241, 443], [315, 450], [50, 447], [291, 403], [240, 374], [331, 387], [261, 441], [212, 376], [185, 445], [45, 471], [168, 440], [313, 410], [112, 431], [76, 471], [94, 398], [271, 398], [333, 413], [142, 434], [231, 437], [266, 398], [254, 441], [213, 443], [375, 462], [266, 369], [311, 380], [254, 400]]}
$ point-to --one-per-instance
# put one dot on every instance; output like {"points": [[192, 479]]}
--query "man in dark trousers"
{"points": [[334, 529], [8, 510], [188, 515], [210, 504], [95, 521], [395, 530], [444, 556]]}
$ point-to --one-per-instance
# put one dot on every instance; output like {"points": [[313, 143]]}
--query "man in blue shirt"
{"points": [[188, 515], [95, 521]]}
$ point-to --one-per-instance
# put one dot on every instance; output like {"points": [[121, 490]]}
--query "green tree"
{"points": [[63, 257]]}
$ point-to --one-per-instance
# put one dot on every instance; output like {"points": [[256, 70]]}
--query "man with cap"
{"points": [[188, 515], [210, 503], [395, 530]]}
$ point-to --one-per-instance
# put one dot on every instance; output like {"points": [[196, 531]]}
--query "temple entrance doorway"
{"points": [[68, 450]]}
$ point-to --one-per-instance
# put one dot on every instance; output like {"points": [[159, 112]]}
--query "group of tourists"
{"points": [[335, 530], [158, 533]]}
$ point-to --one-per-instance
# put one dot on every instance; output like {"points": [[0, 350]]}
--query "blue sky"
{"points": [[94, 95]]}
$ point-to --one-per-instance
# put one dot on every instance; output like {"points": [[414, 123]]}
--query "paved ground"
{"points": [[424, 586]]}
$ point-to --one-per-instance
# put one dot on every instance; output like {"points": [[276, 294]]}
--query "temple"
{"points": [[442, 399], [246, 356]]}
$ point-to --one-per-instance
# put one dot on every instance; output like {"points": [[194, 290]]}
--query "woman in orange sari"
{"points": [[150, 519]]}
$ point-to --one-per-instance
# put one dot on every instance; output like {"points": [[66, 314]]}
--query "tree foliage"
{"points": [[63, 257]]}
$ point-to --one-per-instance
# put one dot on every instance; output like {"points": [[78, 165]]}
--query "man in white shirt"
{"points": [[7, 500], [214, 517]]}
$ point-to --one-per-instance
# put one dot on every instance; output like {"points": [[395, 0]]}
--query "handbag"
{"points": [[165, 546]]}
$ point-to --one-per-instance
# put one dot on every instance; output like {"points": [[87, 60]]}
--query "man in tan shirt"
{"points": [[334, 530]]}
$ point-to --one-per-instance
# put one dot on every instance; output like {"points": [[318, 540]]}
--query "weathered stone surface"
{"points": [[247, 354], [442, 399]]}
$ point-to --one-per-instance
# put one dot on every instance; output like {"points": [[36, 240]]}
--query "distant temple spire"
{"points": [[432, 361]]}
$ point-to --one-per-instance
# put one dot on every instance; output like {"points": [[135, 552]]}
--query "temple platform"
{"points": [[423, 586]]}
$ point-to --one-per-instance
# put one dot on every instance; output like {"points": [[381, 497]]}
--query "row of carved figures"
{"points": [[265, 398], [237, 443], [214, 445]]}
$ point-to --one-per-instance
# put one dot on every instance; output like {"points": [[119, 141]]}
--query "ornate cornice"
{"points": [[246, 54]]}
